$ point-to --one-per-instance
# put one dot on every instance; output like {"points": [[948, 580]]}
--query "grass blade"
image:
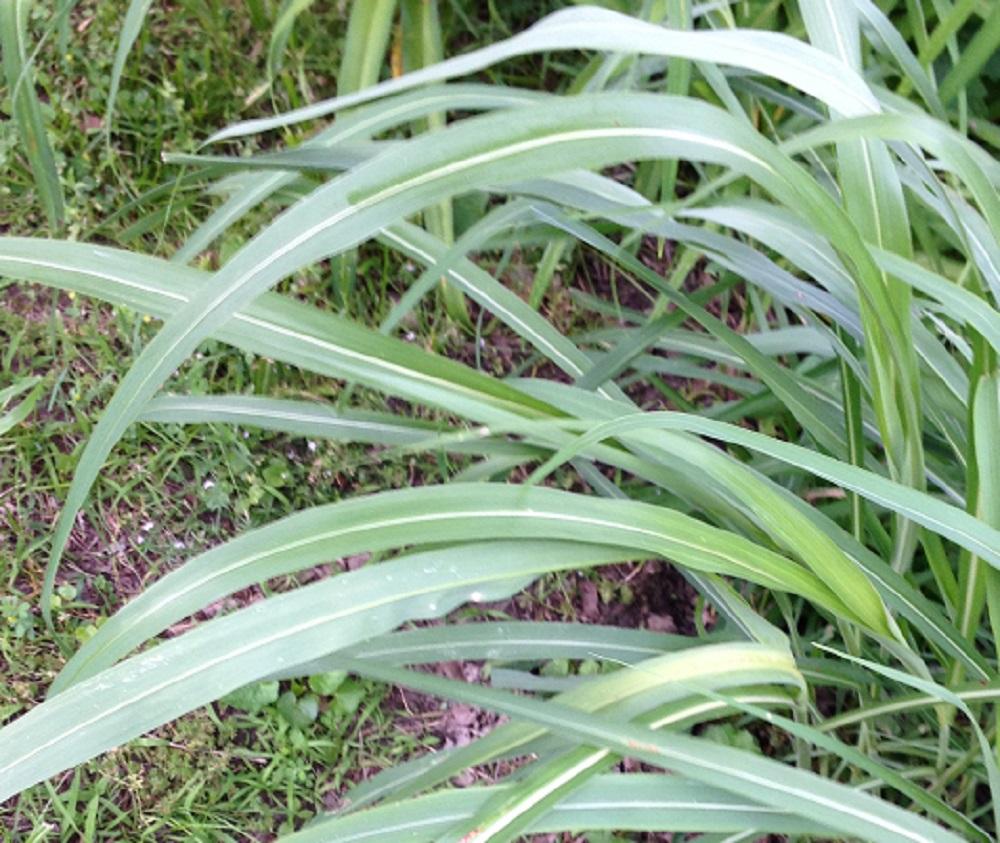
{"points": [[179, 675], [767, 53], [368, 29], [135, 17], [282, 31], [462, 512], [27, 110]]}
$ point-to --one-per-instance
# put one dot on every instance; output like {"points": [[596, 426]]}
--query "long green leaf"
{"points": [[135, 17], [368, 29], [183, 673], [27, 109], [767, 53], [463, 512]]}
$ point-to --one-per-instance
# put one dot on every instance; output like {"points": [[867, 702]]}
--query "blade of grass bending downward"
{"points": [[222, 655], [412, 517], [767, 53], [964, 529], [592, 131], [669, 705], [556, 774], [661, 693]]}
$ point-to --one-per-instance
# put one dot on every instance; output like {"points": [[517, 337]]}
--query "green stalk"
{"points": [[423, 45], [873, 198], [27, 109], [851, 393], [947, 26], [973, 58], [369, 28], [678, 83]]}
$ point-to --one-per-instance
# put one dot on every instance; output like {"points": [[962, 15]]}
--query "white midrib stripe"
{"points": [[838, 34], [533, 798], [285, 415], [872, 192], [512, 642], [101, 276]]}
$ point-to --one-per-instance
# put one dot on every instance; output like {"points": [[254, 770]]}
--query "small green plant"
{"points": [[836, 501], [18, 617]]}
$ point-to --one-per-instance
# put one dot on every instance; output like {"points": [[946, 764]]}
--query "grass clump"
{"points": [[783, 381]]}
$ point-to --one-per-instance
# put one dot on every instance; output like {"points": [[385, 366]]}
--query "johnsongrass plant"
{"points": [[839, 507]]}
